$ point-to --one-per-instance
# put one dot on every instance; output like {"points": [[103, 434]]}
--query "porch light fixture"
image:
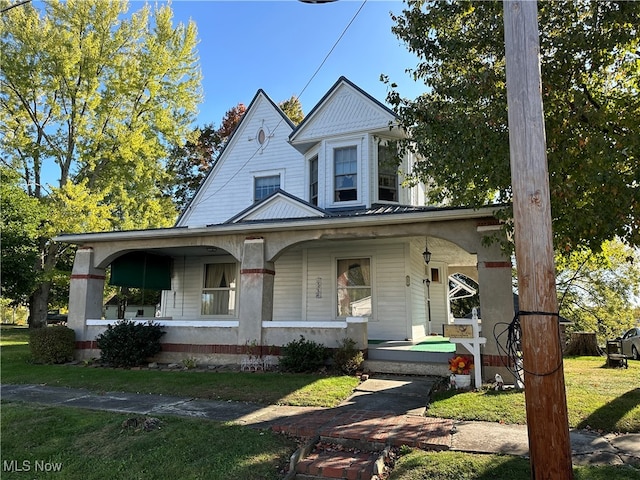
{"points": [[427, 256]]}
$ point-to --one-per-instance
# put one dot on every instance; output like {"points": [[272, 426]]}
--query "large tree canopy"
{"points": [[590, 60], [597, 291], [91, 100]]}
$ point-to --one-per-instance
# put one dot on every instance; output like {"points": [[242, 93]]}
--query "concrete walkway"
{"points": [[383, 411]]}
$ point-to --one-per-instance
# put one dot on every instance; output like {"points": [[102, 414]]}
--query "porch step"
{"points": [[403, 354], [330, 463], [407, 368]]}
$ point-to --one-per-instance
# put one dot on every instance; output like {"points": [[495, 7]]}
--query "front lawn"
{"points": [[598, 398], [420, 465], [268, 388], [63, 442]]}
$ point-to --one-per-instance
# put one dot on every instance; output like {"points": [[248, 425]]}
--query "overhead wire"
{"points": [[246, 162]]}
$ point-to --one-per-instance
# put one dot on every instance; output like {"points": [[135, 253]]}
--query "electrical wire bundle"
{"points": [[512, 348]]}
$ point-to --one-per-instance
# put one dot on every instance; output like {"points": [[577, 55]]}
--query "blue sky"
{"points": [[278, 45]]}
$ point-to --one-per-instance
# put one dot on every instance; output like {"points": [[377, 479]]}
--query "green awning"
{"points": [[141, 270]]}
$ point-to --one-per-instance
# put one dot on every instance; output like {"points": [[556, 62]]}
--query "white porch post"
{"points": [[256, 291], [85, 292]]}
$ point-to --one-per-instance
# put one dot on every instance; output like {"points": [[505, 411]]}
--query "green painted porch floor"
{"points": [[434, 344]]}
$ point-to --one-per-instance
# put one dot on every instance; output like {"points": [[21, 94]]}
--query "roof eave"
{"points": [[297, 224]]}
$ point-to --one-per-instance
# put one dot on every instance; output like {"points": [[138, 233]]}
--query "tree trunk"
{"points": [[583, 343], [39, 299], [38, 306]]}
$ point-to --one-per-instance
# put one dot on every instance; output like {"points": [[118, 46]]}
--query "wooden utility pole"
{"points": [[546, 404]]}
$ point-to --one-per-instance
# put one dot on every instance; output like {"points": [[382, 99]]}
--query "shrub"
{"points": [[347, 358], [127, 343], [303, 356], [52, 344]]}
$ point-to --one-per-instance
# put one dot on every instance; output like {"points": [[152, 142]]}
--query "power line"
{"points": [[335, 44], [6, 9], [332, 48]]}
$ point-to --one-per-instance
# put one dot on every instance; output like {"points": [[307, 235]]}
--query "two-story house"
{"points": [[305, 230]]}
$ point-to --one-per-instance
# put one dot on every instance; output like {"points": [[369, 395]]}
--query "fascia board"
{"points": [[301, 224]]}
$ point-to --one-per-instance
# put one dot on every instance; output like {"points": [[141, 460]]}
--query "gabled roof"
{"points": [[278, 206], [302, 137], [246, 115]]}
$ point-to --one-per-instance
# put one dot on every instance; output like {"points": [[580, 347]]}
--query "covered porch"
{"points": [[277, 257]]}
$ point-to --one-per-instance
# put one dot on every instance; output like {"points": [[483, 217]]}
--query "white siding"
{"points": [[288, 288], [418, 290], [320, 285], [229, 188], [305, 287], [345, 111], [389, 319], [278, 207], [391, 322], [185, 298]]}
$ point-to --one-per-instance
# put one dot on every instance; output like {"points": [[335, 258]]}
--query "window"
{"points": [[387, 173], [354, 287], [265, 186], [219, 292], [261, 136], [346, 173], [435, 275], [313, 181]]}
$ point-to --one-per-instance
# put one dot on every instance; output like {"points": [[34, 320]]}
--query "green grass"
{"points": [[601, 398], [94, 445], [269, 388], [420, 465], [598, 398]]}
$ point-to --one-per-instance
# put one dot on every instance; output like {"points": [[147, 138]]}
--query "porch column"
{"points": [[496, 306], [256, 291], [85, 292]]}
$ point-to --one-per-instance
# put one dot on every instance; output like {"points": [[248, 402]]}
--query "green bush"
{"points": [[52, 344], [347, 358], [128, 344], [303, 356]]}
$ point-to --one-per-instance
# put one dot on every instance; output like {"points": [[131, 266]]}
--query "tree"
{"points": [[97, 98], [597, 291], [188, 164], [293, 109], [231, 120], [590, 76], [20, 219]]}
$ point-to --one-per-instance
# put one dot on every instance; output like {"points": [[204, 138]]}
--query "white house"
{"points": [[305, 230]]}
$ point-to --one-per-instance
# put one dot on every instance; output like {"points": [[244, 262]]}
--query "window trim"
{"points": [[379, 144], [353, 148], [265, 174], [314, 158], [336, 288], [234, 289]]}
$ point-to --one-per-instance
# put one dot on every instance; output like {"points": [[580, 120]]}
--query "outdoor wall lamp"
{"points": [[427, 256]]}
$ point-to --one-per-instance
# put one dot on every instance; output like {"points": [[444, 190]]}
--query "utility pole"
{"points": [[546, 404]]}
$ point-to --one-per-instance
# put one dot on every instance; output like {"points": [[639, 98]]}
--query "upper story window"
{"points": [[265, 186], [346, 173], [313, 181], [387, 173]]}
